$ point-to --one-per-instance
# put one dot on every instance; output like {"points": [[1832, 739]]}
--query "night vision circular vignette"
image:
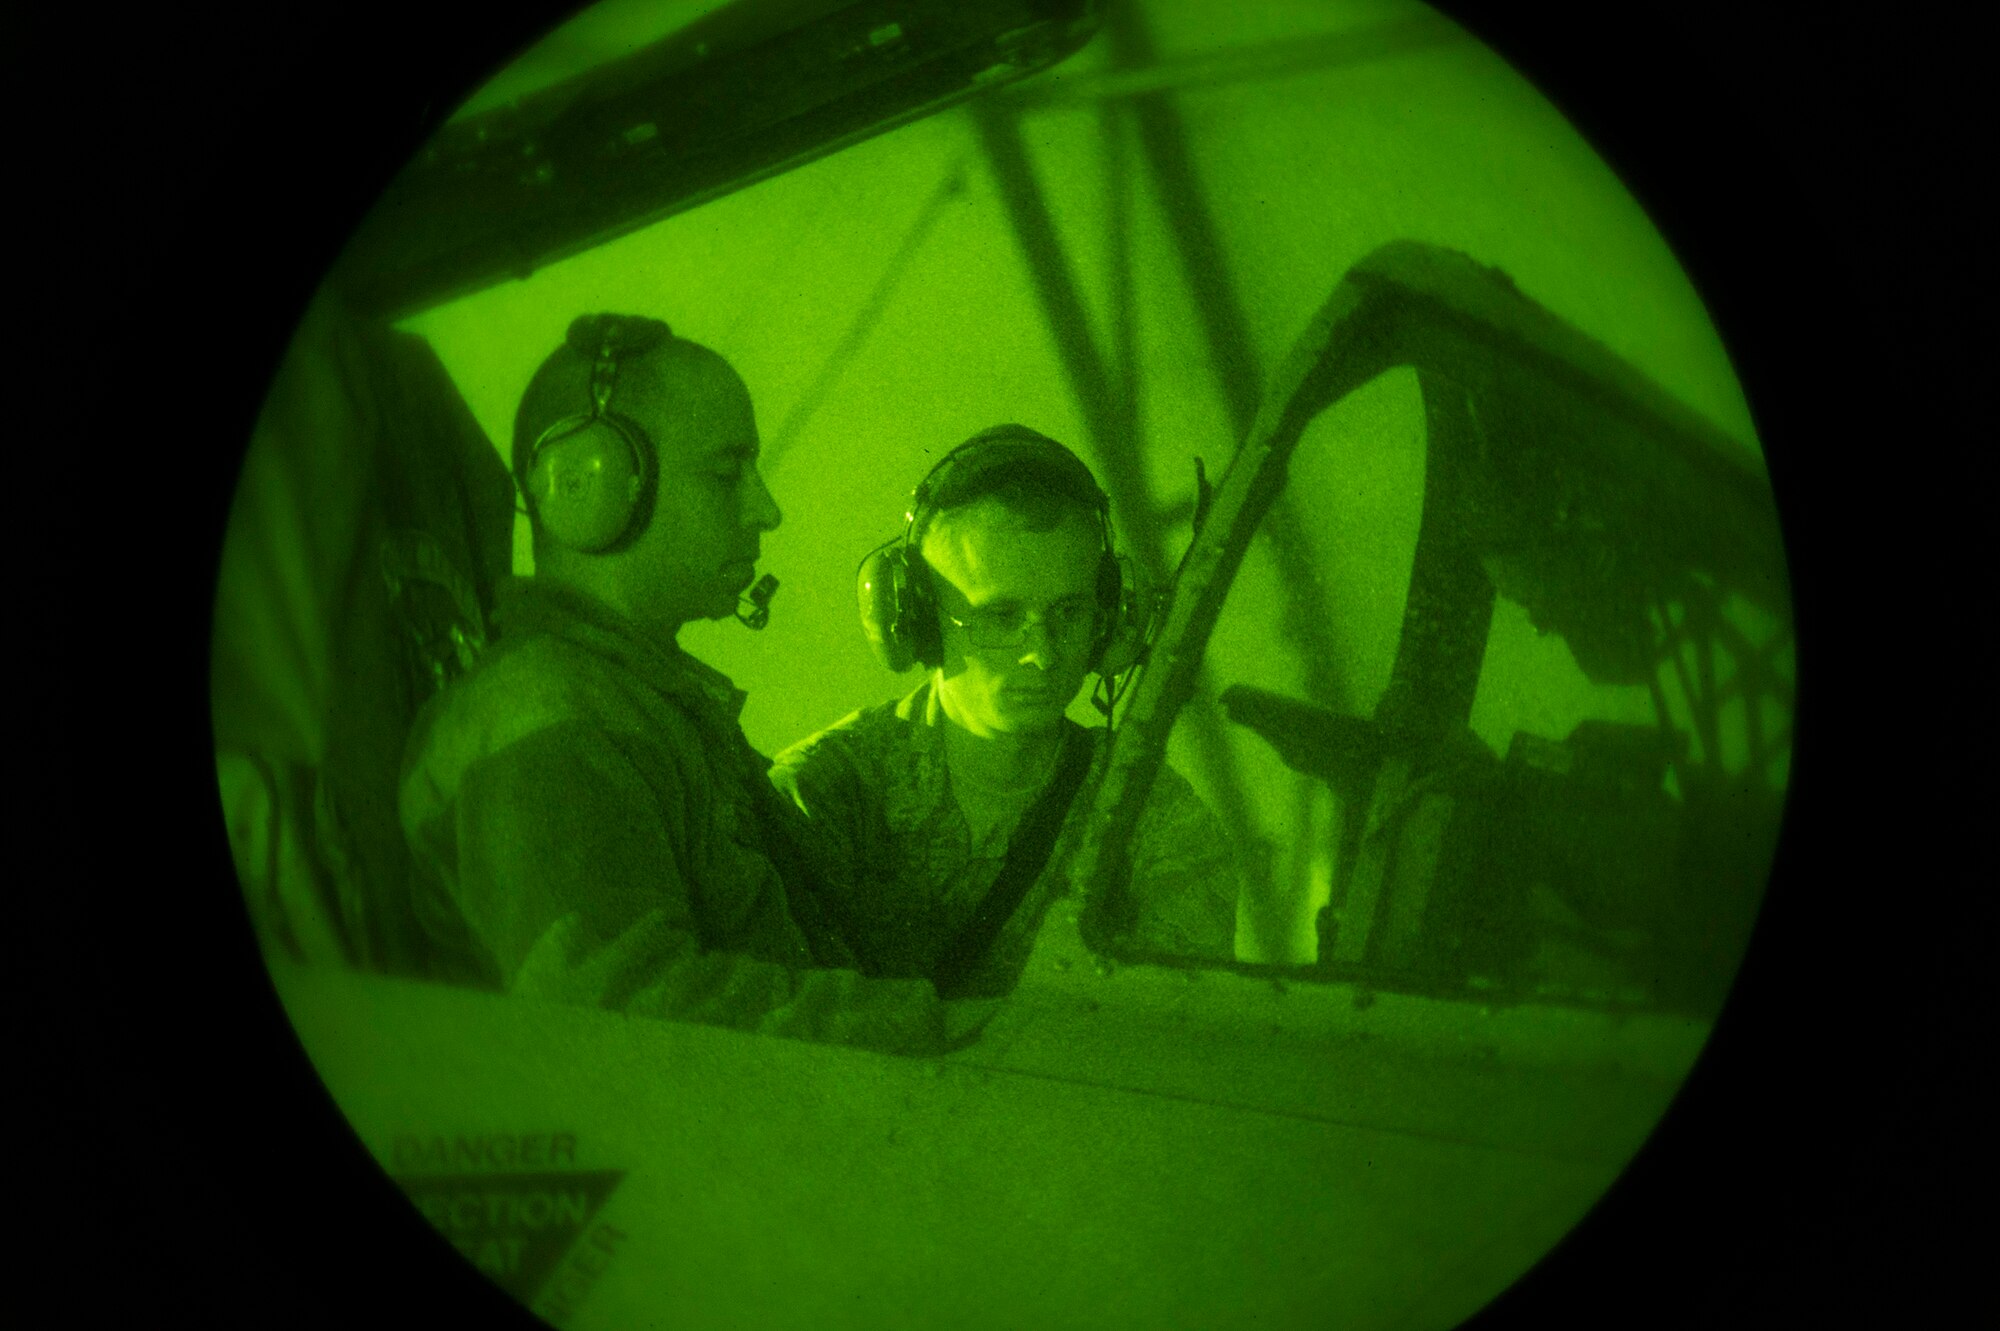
{"points": [[1383, 906]]}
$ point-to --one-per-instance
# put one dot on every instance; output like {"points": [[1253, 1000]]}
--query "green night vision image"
{"points": [[1061, 662]]}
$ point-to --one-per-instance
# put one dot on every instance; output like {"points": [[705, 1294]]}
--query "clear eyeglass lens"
{"points": [[1009, 628]]}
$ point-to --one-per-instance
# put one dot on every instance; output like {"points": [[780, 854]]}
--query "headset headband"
{"points": [[606, 340], [976, 467], [603, 378]]}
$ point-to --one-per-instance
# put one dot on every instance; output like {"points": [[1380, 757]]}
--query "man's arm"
{"points": [[569, 875], [824, 782]]}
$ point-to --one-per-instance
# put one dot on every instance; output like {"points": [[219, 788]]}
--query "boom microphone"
{"points": [[755, 610]]}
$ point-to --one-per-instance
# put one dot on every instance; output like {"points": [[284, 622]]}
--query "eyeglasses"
{"points": [[1067, 622]]}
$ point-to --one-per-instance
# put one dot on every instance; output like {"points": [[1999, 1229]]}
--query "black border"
{"points": [[1812, 174], [1804, 163], [223, 1184]]}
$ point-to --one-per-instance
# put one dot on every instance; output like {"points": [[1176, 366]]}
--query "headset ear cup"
{"points": [[878, 584], [1122, 641], [584, 487]]}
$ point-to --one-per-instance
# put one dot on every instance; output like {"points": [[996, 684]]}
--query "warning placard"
{"points": [[514, 1224]]}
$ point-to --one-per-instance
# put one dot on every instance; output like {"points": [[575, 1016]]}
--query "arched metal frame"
{"points": [[1610, 471]]}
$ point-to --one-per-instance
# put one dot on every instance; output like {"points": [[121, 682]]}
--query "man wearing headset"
{"points": [[1004, 584], [596, 826]]}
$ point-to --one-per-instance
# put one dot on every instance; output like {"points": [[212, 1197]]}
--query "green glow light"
{"points": [[1469, 976]]}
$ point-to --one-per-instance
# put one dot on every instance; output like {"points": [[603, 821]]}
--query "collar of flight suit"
{"points": [[525, 606], [921, 708]]}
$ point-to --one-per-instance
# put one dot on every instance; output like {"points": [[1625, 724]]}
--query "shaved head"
{"points": [[694, 545]]}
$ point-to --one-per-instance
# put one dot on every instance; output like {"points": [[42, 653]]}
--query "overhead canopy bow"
{"points": [[1689, 497]]}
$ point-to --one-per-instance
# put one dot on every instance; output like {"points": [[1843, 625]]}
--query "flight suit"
{"points": [[592, 827], [877, 789]]}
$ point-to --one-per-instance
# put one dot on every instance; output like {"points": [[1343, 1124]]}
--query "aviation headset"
{"points": [[589, 479], [899, 608]]}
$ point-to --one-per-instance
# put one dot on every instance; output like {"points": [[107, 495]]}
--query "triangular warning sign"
{"points": [[513, 1227]]}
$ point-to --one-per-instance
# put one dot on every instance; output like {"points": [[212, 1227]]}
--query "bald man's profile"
{"points": [[592, 825]]}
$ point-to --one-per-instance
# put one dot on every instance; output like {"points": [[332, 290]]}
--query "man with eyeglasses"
{"points": [[1005, 585]]}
